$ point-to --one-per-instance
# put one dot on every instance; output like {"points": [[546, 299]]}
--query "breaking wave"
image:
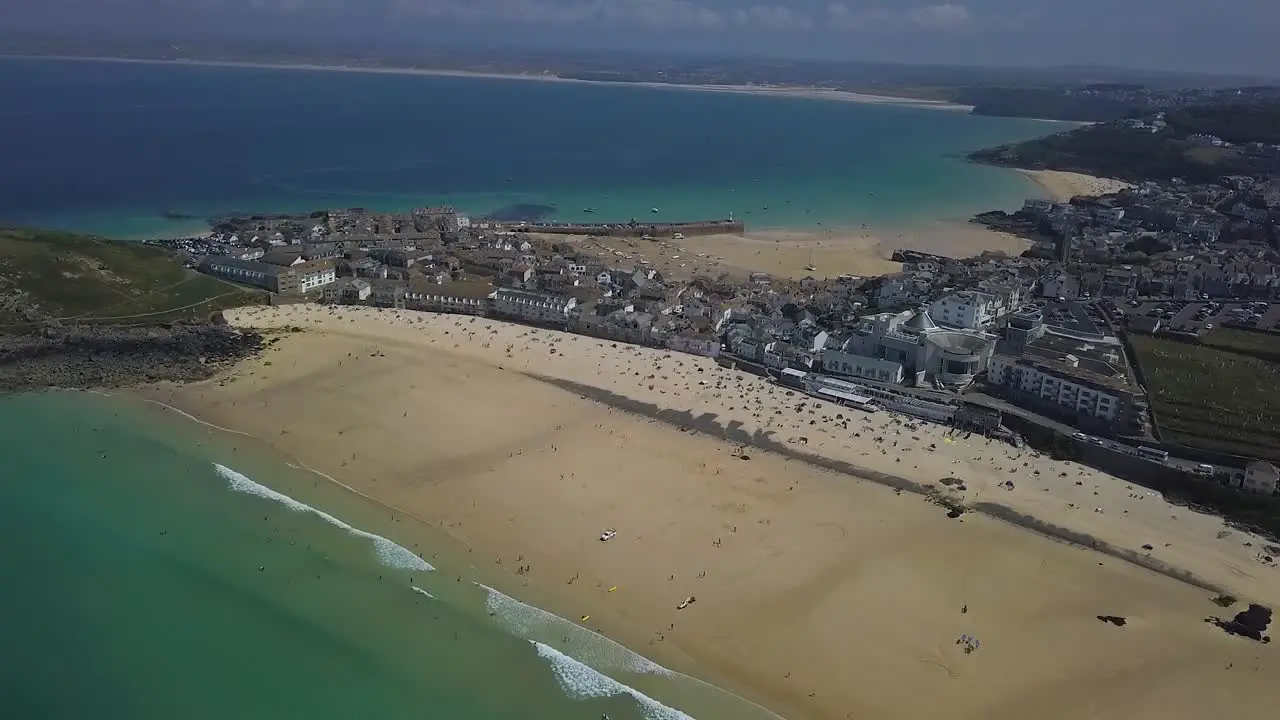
{"points": [[391, 554], [529, 622], [580, 681]]}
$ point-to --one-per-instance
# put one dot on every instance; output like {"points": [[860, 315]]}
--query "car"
{"points": [[1080, 436]]}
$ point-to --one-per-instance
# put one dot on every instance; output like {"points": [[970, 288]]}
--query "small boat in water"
{"points": [[588, 210], [653, 210]]}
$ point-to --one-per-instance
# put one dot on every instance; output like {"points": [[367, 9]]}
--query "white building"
{"points": [[1261, 477], [1060, 386], [891, 347], [967, 309], [314, 277], [531, 306]]}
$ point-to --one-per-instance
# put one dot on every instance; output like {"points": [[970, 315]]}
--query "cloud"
{"points": [[773, 17], [941, 17], [844, 17], [948, 16], [647, 13]]}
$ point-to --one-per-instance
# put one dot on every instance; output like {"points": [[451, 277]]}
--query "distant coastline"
{"points": [[808, 93]]}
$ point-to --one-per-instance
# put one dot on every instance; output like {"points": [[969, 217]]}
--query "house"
{"points": [[357, 290], [970, 310], [531, 306], [689, 341], [1261, 477], [463, 298]]}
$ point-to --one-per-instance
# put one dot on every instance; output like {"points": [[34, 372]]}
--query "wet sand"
{"points": [[790, 253], [818, 594]]}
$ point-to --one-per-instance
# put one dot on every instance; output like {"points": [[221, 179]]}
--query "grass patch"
{"points": [[1212, 398], [1264, 346], [77, 278]]}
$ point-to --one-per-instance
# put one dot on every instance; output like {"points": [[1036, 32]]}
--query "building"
{"points": [[1070, 388], [356, 290], [457, 298], [1261, 477], [891, 347], [248, 272], [967, 309], [313, 276], [531, 306], [285, 280]]}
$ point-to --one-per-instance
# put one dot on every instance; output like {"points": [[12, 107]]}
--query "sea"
{"points": [[134, 149], [156, 567]]}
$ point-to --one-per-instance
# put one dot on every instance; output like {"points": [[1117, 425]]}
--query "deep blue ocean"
{"points": [[114, 147]]}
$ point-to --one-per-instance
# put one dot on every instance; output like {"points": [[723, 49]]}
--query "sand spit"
{"points": [[820, 593], [1061, 186]]}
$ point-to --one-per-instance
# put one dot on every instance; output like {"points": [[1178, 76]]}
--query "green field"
{"points": [[1265, 346], [1213, 398], [80, 279]]}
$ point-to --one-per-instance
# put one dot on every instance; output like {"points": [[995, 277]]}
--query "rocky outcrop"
{"points": [[98, 357]]}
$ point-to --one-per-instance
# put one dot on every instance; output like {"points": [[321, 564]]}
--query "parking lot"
{"points": [[1197, 317]]}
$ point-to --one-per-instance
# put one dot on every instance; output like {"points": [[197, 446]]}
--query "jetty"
{"points": [[632, 229]]}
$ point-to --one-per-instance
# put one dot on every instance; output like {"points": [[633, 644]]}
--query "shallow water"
{"points": [[151, 575]]}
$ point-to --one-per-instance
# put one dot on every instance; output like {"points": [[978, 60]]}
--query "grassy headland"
{"points": [[56, 277], [1141, 152]]}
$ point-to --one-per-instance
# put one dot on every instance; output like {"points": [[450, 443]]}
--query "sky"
{"points": [[1226, 36]]}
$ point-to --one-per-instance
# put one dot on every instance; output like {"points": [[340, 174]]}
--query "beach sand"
{"points": [[788, 253], [812, 93], [1061, 186], [818, 594]]}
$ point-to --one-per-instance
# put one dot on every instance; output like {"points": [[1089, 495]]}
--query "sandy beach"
{"points": [[818, 594], [790, 253], [1061, 186], [812, 93]]}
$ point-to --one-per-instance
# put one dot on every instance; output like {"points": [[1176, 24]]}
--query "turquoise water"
{"points": [[149, 575], [111, 147]]}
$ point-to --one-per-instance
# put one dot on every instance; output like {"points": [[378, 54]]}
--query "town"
{"points": [[1066, 339]]}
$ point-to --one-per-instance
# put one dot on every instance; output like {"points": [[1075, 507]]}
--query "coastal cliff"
{"points": [[101, 357]]}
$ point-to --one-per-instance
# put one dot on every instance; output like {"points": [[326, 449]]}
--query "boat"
{"points": [[588, 210], [810, 268], [608, 535], [653, 210]]}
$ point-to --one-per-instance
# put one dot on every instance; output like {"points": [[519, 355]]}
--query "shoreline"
{"points": [[1061, 186], [781, 590], [808, 93], [782, 253], [622, 661]]}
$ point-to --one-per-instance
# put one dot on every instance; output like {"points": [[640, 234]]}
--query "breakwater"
{"points": [[634, 229]]}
